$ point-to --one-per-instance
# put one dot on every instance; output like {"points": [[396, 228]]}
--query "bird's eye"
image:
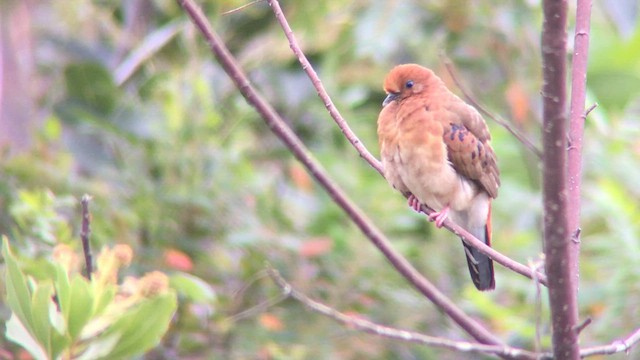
{"points": [[409, 84]]}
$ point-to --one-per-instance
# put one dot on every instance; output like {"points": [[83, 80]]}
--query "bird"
{"points": [[436, 149]]}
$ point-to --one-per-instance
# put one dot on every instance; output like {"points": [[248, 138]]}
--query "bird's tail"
{"points": [[480, 265]]}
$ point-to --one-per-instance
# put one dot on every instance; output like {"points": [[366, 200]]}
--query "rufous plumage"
{"points": [[436, 148]]}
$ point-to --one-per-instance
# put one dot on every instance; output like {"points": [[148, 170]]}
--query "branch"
{"points": [[521, 137], [617, 346], [538, 305], [562, 294], [240, 8], [322, 93], [364, 153], [583, 325], [397, 334], [577, 115], [85, 233], [297, 148], [491, 252]]}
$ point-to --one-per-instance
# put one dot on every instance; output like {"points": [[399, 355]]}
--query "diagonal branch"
{"points": [[322, 93], [398, 334], [557, 237], [364, 153], [240, 8], [297, 148], [617, 346]]}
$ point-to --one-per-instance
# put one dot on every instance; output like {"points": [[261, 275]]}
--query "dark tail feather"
{"points": [[480, 265]]}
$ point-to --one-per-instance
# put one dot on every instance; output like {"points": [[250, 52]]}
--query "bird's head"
{"points": [[407, 80]]}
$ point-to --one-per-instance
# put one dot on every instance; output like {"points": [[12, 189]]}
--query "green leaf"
{"points": [[57, 320], [75, 300], [102, 297], [63, 290], [60, 339], [18, 294], [80, 306], [18, 333], [146, 50], [100, 348], [52, 128], [91, 84], [194, 288], [40, 310], [142, 327], [45, 314]]}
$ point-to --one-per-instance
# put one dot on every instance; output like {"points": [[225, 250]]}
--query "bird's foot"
{"points": [[439, 216], [414, 203]]}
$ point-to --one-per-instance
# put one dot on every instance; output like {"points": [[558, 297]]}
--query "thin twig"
{"points": [[239, 8], [322, 93], [575, 237], [625, 345], [589, 110], [535, 266], [85, 233], [398, 334], [257, 309], [497, 119], [248, 283], [364, 153], [297, 148], [583, 325], [238, 313]]}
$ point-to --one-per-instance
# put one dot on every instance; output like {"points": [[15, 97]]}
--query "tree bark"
{"points": [[557, 237], [577, 116]]}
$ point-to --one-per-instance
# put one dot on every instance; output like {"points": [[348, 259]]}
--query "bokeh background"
{"points": [[123, 101]]}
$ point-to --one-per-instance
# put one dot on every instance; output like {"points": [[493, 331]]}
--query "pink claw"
{"points": [[439, 216], [414, 203]]}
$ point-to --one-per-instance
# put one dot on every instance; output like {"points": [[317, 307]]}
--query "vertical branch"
{"points": [[562, 295], [577, 116], [85, 233]]}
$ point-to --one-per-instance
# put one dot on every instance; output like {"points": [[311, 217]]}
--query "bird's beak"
{"points": [[390, 98]]}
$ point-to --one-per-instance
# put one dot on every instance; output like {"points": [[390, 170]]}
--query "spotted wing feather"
{"points": [[470, 151]]}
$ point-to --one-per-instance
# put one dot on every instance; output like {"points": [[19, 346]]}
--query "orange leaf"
{"points": [[271, 322], [518, 100], [178, 260], [597, 309], [24, 355], [366, 300], [300, 177], [636, 148], [316, 246]]}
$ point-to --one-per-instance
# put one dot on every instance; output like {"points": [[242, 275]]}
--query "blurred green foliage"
{"points": [[133, 110], [66, 316]]}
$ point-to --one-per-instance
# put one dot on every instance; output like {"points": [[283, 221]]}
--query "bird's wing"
{"points": [[469, 150]]}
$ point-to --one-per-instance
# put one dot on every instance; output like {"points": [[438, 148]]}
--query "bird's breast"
{"points": [[389, 140]]}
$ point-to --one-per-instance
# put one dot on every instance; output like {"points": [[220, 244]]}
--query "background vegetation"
{"points": [[124, 102]]}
